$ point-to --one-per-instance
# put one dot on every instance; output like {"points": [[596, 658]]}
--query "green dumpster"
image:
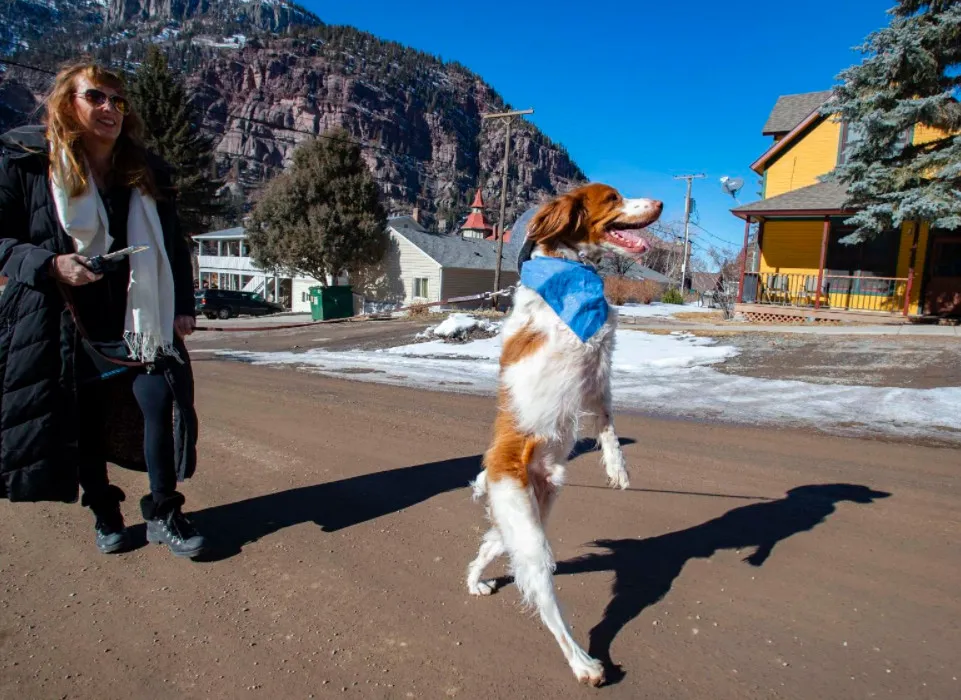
{"points": [[331, 302]]}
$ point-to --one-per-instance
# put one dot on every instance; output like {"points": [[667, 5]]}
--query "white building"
{"points": [[223, 261], [420, 266], [423, 266]]}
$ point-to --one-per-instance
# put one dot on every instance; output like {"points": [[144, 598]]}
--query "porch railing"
{"points": [[838, 292]]}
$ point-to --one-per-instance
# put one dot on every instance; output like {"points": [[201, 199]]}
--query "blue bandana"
{"points": [[574, 290]]}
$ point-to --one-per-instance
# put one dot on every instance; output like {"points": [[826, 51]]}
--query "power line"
{"points": [[728, 244], [54, 57], [361, 144], [262, 122], [8, 62]]}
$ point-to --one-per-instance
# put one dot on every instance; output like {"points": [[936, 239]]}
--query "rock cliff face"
{"points": [[266, 15], [267, 74]]}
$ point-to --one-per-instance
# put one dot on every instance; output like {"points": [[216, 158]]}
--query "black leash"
{"points": [[121, 365]]}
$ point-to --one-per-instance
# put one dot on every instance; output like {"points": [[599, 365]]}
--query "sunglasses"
{"points": [[99, 98]]}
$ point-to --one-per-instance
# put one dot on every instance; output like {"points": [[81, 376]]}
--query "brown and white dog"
{"points": [[549, 379]]}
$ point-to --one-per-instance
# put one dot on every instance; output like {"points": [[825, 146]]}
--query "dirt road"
{"points": [[344, 526]]}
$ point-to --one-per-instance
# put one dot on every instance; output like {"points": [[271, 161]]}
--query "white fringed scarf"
{"points": [[149, 322]]}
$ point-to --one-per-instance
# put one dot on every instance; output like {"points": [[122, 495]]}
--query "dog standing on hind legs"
{"points": [[555, 367]]}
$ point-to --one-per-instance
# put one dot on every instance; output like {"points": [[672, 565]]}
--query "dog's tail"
{"points": [[479, 485]]}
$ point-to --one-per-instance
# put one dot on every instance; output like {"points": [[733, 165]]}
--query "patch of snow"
{"points": [[638, 352], [167, 34], [483, 349], [379, 307], [458, 326], [236, 41], [669, 375]]}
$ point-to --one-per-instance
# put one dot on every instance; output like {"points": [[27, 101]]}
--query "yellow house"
{"points": [[802, 269]]}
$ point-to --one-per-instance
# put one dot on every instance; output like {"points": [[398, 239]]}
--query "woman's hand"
{"points": [[184, 326], [72, 269]]}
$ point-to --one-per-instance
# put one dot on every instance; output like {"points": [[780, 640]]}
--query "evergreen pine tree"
{"points": [[323, 215], [172, 131], [911, 76]]}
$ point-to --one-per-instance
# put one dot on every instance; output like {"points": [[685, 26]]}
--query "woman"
{"points": [[78, 346]]}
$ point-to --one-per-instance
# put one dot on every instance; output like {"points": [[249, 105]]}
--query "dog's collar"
{"points": [[567, 253], [572, 289]]}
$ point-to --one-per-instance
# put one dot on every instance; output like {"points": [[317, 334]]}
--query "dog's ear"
{"points": [[559, 219]]}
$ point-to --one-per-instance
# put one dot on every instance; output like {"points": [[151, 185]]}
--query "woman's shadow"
{"points": [[645, 570]]}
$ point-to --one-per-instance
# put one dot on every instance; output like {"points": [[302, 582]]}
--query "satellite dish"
{"points": [[732, 185]]}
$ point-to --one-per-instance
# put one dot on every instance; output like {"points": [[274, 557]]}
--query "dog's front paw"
{"points": [[482, 587]]}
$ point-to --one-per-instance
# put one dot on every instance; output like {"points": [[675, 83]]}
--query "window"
{"points": [[420, 287], [305, 297], [877, 257], [852, 133]]}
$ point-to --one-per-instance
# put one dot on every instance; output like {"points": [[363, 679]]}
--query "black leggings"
{"points": [[155, 399]]}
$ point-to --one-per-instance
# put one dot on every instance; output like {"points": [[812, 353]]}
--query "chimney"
{"points": [[415, 214]]}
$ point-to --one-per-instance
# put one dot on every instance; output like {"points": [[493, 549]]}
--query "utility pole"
{"points": [[509, 116], [687, 221]]}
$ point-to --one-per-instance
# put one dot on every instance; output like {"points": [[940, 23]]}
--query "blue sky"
{"points": [[639, 92]]}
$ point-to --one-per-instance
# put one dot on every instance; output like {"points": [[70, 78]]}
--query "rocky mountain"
{"points": [[268, 74], [266, 15]]}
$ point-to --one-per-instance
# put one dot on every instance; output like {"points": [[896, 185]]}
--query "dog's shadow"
{"points": [[645, 570], [337, 505]]}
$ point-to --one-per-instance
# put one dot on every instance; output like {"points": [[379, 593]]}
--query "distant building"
{"points": [[425, 267], [223, 261], [476, 225], [420, 266]]}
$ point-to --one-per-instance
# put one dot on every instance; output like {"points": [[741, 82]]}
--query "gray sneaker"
{"points": [[167, 525]]}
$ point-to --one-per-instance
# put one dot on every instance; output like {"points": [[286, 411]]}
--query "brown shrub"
{"points": [[418, 311], [620, 290]]}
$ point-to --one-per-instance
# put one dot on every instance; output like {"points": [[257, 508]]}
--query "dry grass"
{"points": [[705, 317], [620, 290], [418, 312], [483, 313]]}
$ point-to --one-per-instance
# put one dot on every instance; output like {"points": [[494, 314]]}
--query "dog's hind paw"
{"points": [[619, 480], [482, 587], [590, 671]]}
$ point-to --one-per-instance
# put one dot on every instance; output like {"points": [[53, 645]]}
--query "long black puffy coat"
{"points": [[39, 340]]}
